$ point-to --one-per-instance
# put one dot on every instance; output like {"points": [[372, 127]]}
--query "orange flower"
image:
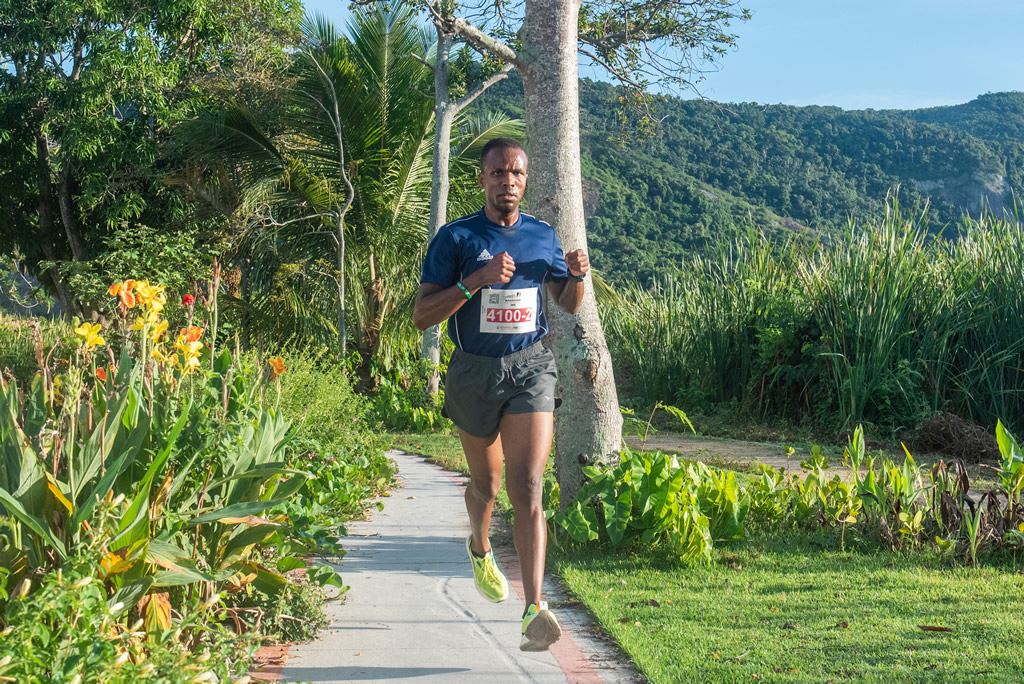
{"points": [[101, 374], [190, 334], [123, 291], [276, 364]]}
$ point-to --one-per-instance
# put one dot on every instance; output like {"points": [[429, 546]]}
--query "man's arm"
{"points": [[569, 293], [435, 303]]}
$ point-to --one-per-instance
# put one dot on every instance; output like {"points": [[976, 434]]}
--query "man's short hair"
{"points": [[500, 144]]}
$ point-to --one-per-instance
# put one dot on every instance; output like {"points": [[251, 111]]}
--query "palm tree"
{"points": [[343, 169]]}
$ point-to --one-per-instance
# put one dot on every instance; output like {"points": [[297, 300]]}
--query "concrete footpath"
{"points": [[412, 612]]}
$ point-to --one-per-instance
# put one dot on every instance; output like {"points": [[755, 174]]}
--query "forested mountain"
{"points": [[992, 116], [707, 168]]}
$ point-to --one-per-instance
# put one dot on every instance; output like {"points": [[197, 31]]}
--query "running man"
{"points": [[484, 274]]}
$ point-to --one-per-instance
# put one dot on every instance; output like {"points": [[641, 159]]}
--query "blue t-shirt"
{"points": [[500, 318]]}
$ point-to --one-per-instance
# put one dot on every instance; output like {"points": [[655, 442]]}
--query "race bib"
{"points": [[508, 311]]}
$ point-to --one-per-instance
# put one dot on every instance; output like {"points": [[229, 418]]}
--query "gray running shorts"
{"points": [[479, 390]]}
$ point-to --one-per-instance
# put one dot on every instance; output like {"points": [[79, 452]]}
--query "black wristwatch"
{"points": [[578, 278]]}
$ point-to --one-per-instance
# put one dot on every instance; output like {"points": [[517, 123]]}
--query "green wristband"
{"points": [[465, 291]]}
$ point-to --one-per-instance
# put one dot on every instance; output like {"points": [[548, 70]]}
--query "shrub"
{"points": [[400, 400], [331, 438], [655, 499], [177, 473], [69, 630]]}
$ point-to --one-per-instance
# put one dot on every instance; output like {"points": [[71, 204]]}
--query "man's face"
{"points": [[503, 178]]}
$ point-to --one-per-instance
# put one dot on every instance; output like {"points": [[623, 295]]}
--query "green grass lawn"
{"points": [[787, 610], [443, 449]]}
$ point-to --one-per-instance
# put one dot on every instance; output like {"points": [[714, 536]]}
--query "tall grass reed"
{"points": [[885, 323]]}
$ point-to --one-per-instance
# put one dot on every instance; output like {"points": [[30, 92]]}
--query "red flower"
{"points": [[188, 300], [101, 374]]}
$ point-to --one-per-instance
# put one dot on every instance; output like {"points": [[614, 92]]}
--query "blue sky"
{"points": [[861, 54]]}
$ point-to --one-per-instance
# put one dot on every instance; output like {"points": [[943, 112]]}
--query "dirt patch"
{"points": [[734, 454], [951, 435], [743, 456]]}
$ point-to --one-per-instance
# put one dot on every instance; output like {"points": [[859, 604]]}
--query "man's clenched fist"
{"points": [[498, 270], [578, 262]]}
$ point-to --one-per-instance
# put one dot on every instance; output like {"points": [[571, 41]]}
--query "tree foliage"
{"points": [[88, 94]]}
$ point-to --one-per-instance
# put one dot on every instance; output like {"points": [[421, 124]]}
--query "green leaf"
{"points": [[238, 510], [325, 575], [617, 515], [86, 460], [129, 594], [581, 523], [267, 581], [125, 458], [289, 563], [178, 566], [679, 414], [30, 521], [261, 472], [236, 547]]}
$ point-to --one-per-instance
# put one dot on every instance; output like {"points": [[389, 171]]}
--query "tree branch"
{"points": [[472, 35], [621, 75], [482, 41], [469, 97], [628, 82], [76, 67]]}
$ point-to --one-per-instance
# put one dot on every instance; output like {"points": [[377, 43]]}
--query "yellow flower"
{"points": [[162, 356], [190, 364], [158, 330], [90, 334], [189, 352], [276, 364], [151, 296], [143, 292], [189, 348]]}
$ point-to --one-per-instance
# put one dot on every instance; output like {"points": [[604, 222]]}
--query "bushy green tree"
{"points": [[88, 94]]}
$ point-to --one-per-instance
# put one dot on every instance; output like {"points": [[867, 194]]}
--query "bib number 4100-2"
{"points": [[508, 311]]}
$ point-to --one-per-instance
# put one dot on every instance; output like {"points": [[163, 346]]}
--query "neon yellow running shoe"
{"points": [[488, 579], [540, 628]]}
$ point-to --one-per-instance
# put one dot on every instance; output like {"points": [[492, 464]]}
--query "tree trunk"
{"points": [[588, 423], [67, 213], [55, 280], [444, 116], [342, 333], [47, 229]]}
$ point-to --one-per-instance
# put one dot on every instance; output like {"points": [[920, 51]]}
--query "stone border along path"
{"points": [[413, 614]]}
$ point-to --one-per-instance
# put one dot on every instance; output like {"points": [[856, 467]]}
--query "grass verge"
{"points": [[443, 449], [793, 609]]}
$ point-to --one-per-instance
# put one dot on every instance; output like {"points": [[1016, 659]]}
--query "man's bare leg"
{"points": [[526, 439], [484, 456]]}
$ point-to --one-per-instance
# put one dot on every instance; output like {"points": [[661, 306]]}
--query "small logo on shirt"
{"points": [[484, 256]]}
